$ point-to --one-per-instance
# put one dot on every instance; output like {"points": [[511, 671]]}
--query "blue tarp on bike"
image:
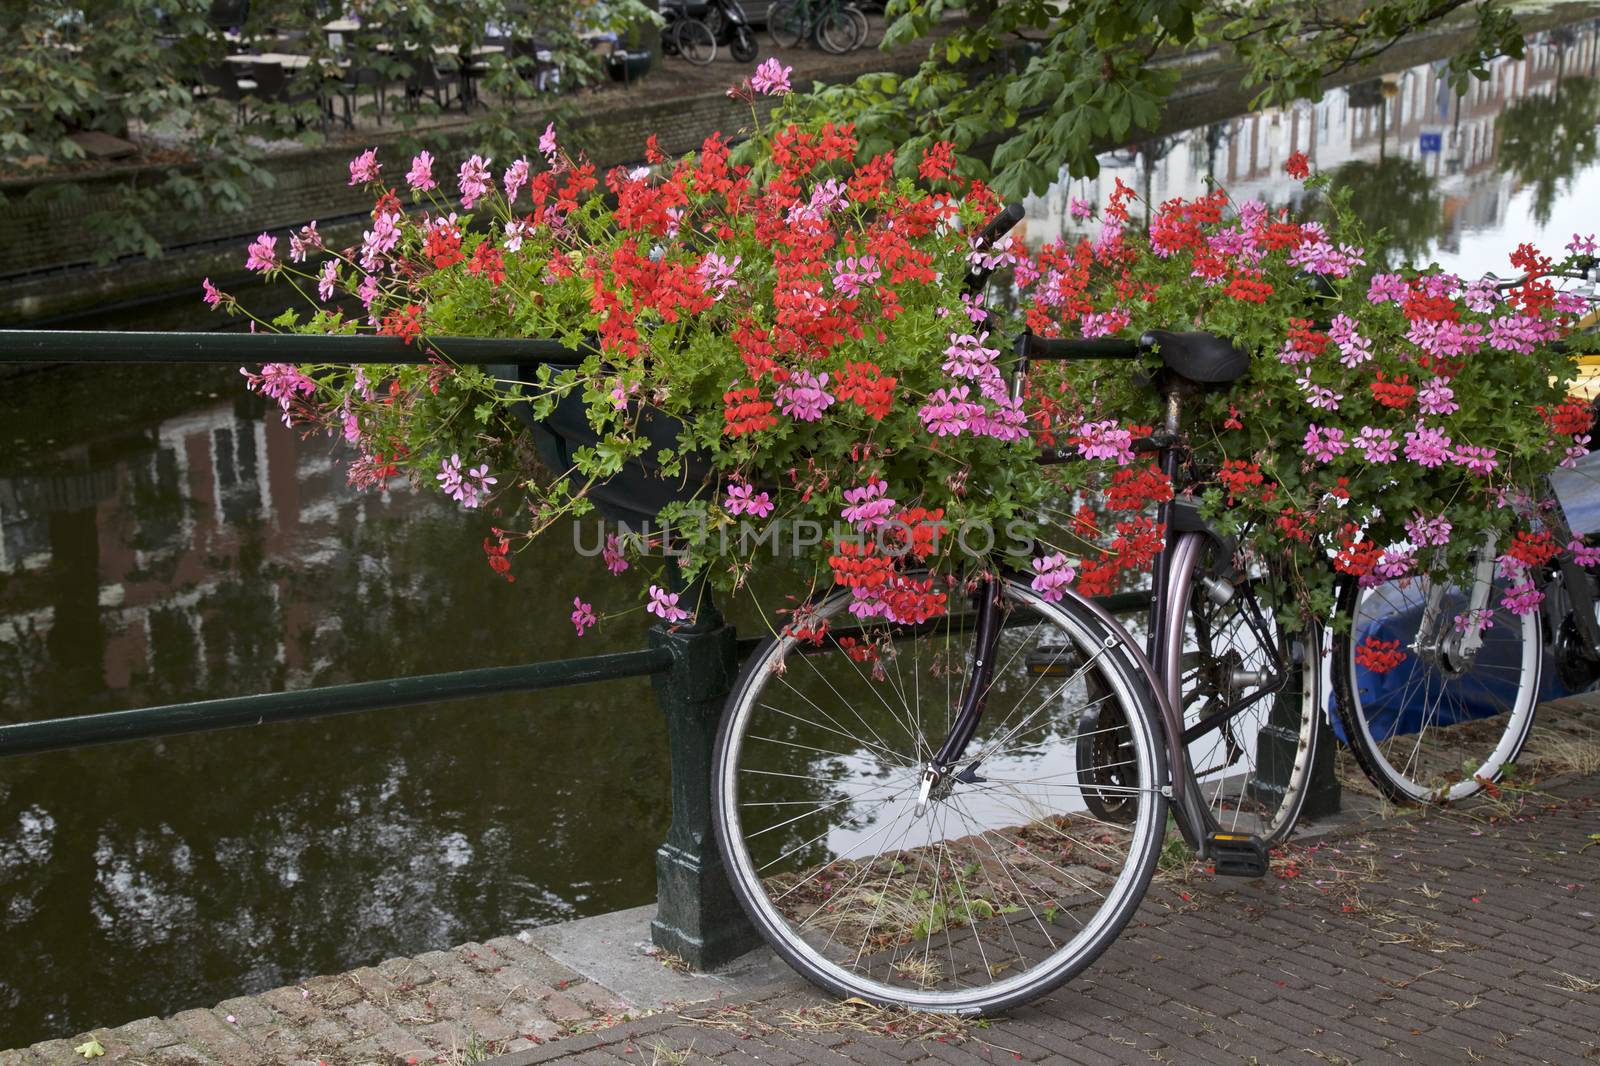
{"points": [[1397, 701]]}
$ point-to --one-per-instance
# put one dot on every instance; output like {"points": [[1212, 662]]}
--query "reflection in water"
{"points": [[1547, 138], [213, 553], [1399, 199], [202, 550], [1460, 179]]}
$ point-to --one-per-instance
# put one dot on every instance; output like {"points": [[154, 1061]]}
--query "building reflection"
{"points": [[1409, 133], [215, 553], [149, 539]]}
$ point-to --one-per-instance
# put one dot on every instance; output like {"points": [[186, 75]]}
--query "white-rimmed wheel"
{"points": [[695, 41], [1248, 686], [1430, 717], [971, 893]]}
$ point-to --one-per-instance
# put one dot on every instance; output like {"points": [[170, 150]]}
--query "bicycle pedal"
{"points": [[1052, 660], [1237, 854]]}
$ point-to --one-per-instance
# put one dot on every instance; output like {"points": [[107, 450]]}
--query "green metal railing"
{"points": [[200, 716], [79, 346], [692, 667]]}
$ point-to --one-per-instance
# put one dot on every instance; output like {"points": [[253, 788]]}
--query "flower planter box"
{"points": [[637, 494]]}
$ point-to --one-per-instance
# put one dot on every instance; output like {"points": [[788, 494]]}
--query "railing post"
{"points": [[697, 916]]}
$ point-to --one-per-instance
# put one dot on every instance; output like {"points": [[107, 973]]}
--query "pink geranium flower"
{"points": [[474, 180], [664, 605], [1051, 576], [364, 167], [582, 615], [804, 396], [420, 176], [771, 78], [612, 553], [742, 498], [262, 255], [868, 506], [1325, 443]]}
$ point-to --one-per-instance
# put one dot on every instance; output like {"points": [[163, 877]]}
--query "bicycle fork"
{"points": [[936, 776], [1453, 643]]}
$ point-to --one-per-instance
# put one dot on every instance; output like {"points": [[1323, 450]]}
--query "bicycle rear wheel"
{"points": [[1427, 719], [1247, 685], [863, 27], [1005, 883]]}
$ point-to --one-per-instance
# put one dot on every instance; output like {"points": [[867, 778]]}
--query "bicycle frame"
{"points": [[1180, 786]]}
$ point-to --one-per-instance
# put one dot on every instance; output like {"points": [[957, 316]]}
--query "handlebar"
{"points": [[998, 227], [1585, 272], [1032, 346]]}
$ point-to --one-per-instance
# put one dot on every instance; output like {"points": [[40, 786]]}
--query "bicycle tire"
{"points": [[1225, 645], [836, 32], [860, 18], [1463, 756], [787, 24], [695, 42], [791, 738]]}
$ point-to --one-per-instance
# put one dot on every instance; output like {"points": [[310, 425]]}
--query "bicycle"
{"points": [[685, 34], [836, 27], [1440, 703], [961, 814]]}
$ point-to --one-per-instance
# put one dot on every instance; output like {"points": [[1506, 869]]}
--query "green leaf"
{"points": [[90, 1049]]}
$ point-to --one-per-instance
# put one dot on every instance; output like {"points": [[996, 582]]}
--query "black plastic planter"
{"points": [[628, 67], [636, 494]]}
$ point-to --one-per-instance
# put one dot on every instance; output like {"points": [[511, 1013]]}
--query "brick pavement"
{"points": [[1454, 937], [1458, 937]]}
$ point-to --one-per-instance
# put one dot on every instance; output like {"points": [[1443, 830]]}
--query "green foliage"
{"points": [[126, 69], [1401, 207], [1053, 83], [137, 69]]}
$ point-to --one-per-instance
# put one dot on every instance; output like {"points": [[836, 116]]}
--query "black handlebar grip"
{"points": [[998, 227]]}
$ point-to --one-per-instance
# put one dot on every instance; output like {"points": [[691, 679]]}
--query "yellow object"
{"points": [[1586, 386]]}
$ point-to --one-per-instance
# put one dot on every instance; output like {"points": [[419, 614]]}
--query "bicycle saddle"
{"points": [[1201, 357]]}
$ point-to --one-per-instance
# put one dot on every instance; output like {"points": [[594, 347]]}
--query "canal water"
{"points": [[164, 537]]}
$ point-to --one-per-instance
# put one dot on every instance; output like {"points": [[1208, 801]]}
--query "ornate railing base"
{"points": [[697, 916]]}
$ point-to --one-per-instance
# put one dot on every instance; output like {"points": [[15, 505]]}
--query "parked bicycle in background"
{"points": [[835, 26]]}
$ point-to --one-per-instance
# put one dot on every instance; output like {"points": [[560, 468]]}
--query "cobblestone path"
{"points": [[1470, 935]]}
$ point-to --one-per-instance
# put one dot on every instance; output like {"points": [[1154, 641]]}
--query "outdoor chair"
{"points": [[471, 68], [356, 79], [424, 79], [275, 84], [229, 14], [222, 81]]}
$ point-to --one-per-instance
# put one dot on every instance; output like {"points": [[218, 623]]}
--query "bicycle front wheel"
{"points": [[1248, 687], [744, 46], [999, 884], [837, 32], [1429, 718], [787, 24], [695, 42]]}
